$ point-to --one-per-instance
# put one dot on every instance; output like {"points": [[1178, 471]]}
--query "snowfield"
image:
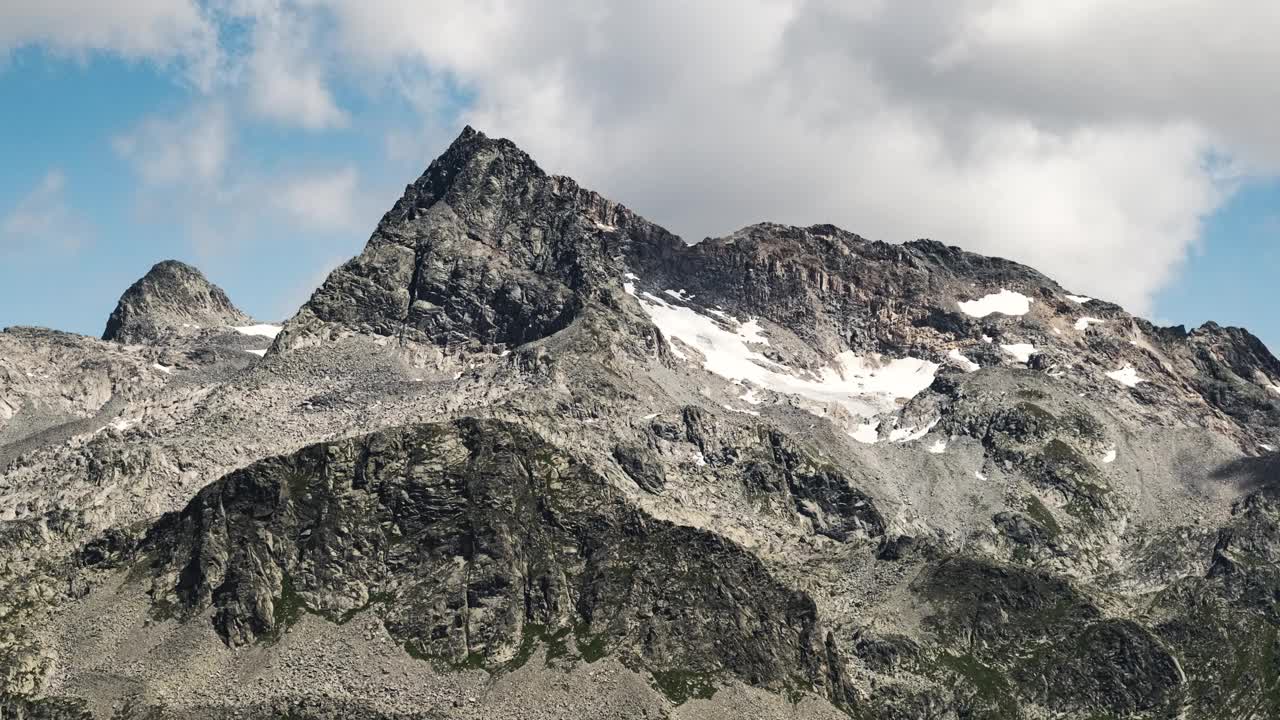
{"points": [[863, 386]]}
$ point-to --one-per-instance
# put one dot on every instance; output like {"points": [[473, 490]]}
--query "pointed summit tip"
{"points": [[469, 138], [471, 155], [471, 141]]}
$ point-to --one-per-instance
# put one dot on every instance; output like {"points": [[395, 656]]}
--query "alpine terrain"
{"points": [[529, 455]]}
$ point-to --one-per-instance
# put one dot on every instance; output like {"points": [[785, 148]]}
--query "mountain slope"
{"points": [[529, 449]]}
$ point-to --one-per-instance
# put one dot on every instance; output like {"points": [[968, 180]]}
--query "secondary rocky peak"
{"points": [[172, 299]]}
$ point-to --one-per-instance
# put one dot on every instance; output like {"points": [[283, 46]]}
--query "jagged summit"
{"points": [[173, 298], [483, 248]]}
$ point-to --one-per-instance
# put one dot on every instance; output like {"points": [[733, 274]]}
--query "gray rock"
{"points": [[172, 299]]}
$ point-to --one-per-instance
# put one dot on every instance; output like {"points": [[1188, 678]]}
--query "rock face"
{"points": [[474, 540], [172, 299], [531, 455]]}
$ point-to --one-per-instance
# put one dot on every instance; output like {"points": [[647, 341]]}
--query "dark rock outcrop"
{"points": [[471, 540], [1018, 635]]}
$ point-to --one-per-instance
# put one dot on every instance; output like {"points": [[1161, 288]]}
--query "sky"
{"points": [[1126, 148]]}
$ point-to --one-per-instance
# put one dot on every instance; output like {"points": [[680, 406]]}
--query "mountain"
{"points": [[531, 455], [173, 298]]}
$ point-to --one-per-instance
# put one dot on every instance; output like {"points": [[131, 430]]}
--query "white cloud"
{"points": [[42, 219], [207, 188], [169, 30], [286, 74], [1088, 139], [325, 201], [1073, 137], [190, 148], [280, 73]]}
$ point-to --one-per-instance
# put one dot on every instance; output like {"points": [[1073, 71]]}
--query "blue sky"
{"points": [[68, 116], [261, 140], [1231, 275]]}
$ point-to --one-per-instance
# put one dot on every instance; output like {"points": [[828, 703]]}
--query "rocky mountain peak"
{"points": [[484, 249], [486, 252], [172, 299]]}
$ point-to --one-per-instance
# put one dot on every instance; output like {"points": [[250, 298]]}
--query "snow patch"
{"points": [[978, 474], [938, 447], [750, 397], [907, 434], [963, 362], [259, 353], [162, 368], [1005, 302], [650, 416], [1110, 457], [699, 460], [866, 433], [1126, 376], [1079, 299], [1084, 322], [1268, 448], [1274, 388], [1021, 352], [260, 330], [119, 424], [864, 386]]}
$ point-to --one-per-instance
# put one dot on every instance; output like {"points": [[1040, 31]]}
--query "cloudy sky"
{"points": [[1127, 147]]}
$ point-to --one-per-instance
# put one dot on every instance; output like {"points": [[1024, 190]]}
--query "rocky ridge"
{"points": [[529, 439]]}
